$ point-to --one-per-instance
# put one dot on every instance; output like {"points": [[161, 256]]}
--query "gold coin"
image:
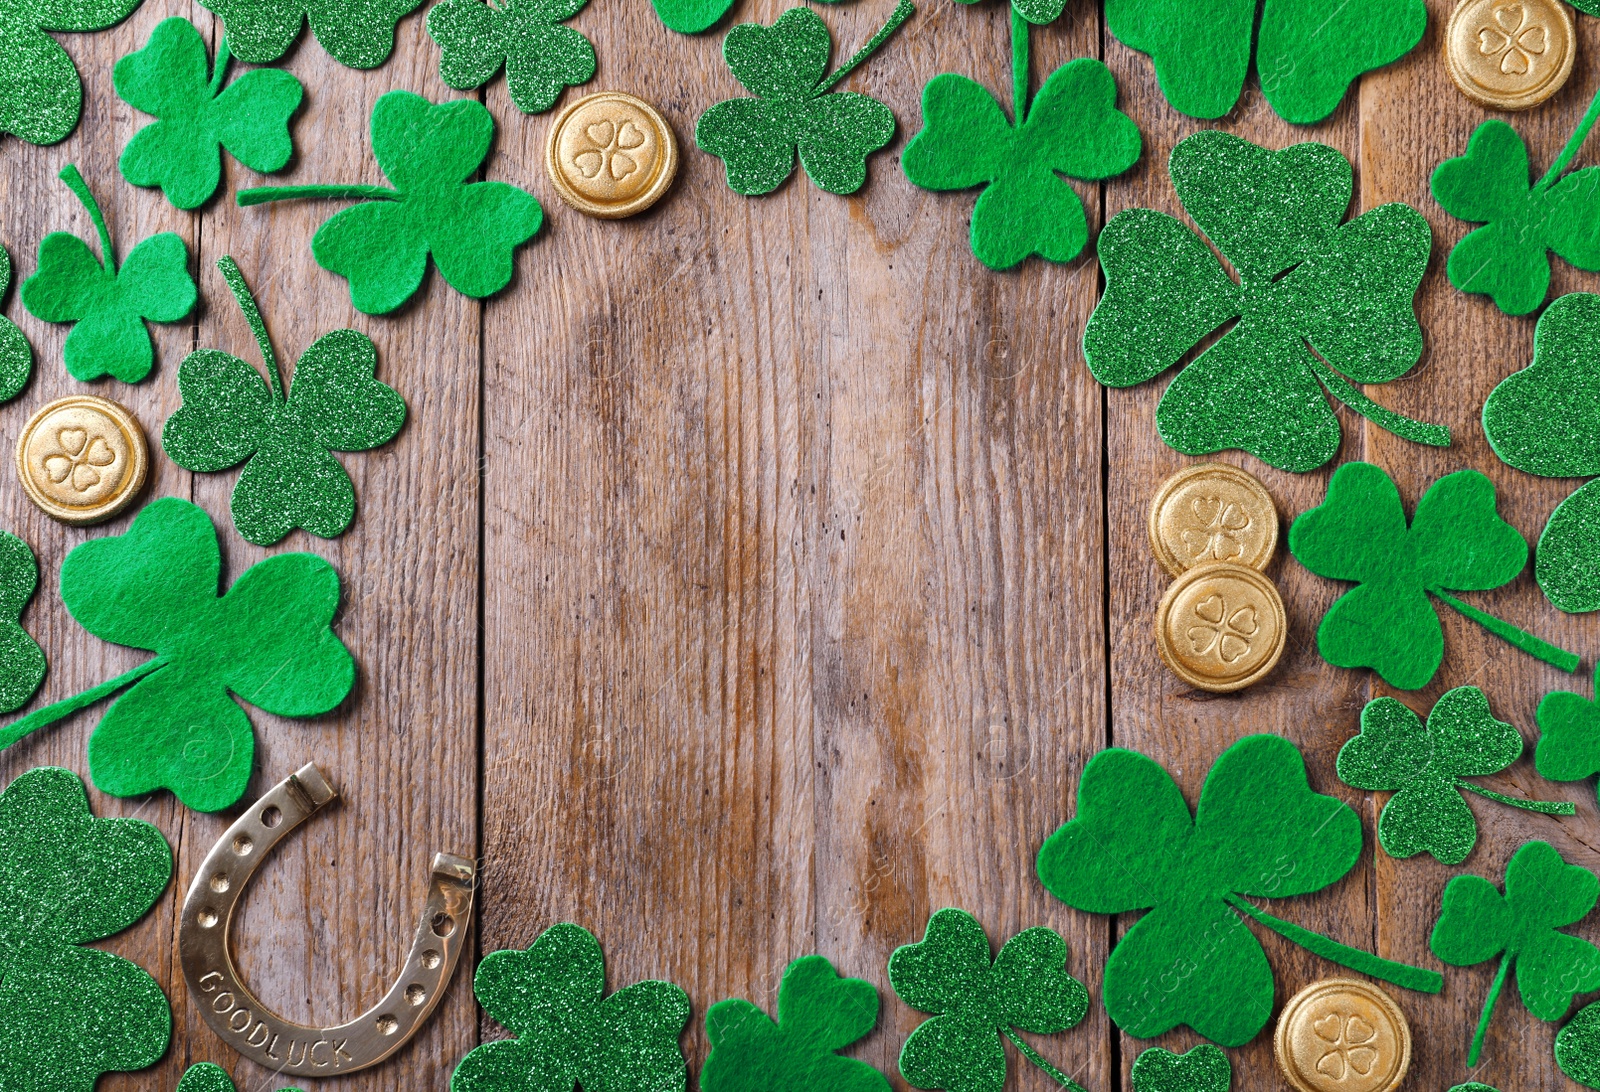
{"points": [[1221, 627], [82, 459], [1509, 54], [1212, 512], [1342, 1035], [611, 155]]}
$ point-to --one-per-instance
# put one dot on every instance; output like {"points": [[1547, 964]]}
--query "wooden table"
{"points": [[755, 576]]}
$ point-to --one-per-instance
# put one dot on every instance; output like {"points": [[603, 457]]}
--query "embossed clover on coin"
{"points": [[606, 149], [1225, 632], [79, 456], [1350, 1045], [1215, 534], [1513, 39]]}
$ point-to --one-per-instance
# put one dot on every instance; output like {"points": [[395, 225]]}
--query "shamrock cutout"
{"points": [[268, 640], [1426, 769], [22, 663], [692, 16], [42, 94], [1305, 278], [283, 436], [1578, 1047], [182, 151], [1072, 127], [210, 1077], [1569, 735], [68, 1012], [477, 39], [818, 1013], [356, 33], [1456, 540], [784, 66], [1200, 1069], [16, 355], [471, 228], [1259, 831], [110, 307], [1542, 894], [568, 1032], [978, 1004]]}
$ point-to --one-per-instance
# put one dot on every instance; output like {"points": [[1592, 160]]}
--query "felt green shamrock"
{"points": [[1542, 894], [182, 151], [1456, 540], [818, 1013], [1305, 278], [785, 67], [210, 1077], [1200, 1069], [1259, 831], [68, 1012], [109, 306], [356, 33], [268, 640], [1426, 769], [1569, 735], [22, 663], [692, 16], [284, 436], [978, 1004], [477, 39], [382, 245], [16, 355], [1578, 1046], [41, 95], [568, 1032]]}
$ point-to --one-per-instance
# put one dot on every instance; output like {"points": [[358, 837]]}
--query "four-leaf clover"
{"points": [[41, 94], [22, 662], [525, 37], [1569, 735], [979, 1001], [1543, 892], [1203, 1068], [1315, 298], [357, 33]]}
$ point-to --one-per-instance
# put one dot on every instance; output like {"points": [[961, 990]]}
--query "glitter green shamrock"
{"points": [[16, 355], [1259, 831], [692, 16], [1426, 769], [978, 1002], [477, 39], [785, 67], [41, 95], [210, 1077], [1315, 298], [268, 639], [1543, 892], [356, 33], [1569, 735], [1200, 1069], [1578, 1047], [1456, 541], [22, 663], [818, 1013], [553, 998], [198, 117], [109, 306], [69, 1012], [291, 478], [471, 229]]}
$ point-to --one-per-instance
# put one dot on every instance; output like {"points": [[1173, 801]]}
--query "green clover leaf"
{"points": [[1072, 128], [210, 1077], [22, 662], [1259, 831], [287, 434], [1542, 894], [41, 95], [691, 16], [818, 1013], [109, 306], [1200, 1069], [1578, 1047], [1344, 290], [268, 639], [552, 996], [16, 355], [1456, 541], [978, 1003], [172, 79], [1569, 735], [784, 66], [68, 1012], [471, 229], [477, 39], [356, 33], [1425, 768]]}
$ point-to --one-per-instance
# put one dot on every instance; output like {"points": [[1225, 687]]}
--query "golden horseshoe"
{"points": [[244, 1022]]}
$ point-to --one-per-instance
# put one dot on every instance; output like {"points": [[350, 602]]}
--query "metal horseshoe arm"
{"points": [[244, 1022]]}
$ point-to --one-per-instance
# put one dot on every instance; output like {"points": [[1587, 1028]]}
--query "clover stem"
{"points": [[262, 194], [41, 718], [903, 11], [75, 183], [1488, 1010], [219, 70], [1401, 974], [1543, 807], [1574, 142], [1399, 424], [1033, 1056], [1521, 638], [252, 315], [1019, 67]]}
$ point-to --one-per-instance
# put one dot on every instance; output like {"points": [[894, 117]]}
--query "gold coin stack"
{"points": [[1221, 625]]}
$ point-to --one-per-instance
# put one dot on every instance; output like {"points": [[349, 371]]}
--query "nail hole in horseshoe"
{"points": [[219, 882], [387, 1024], [242, 845], [207, 918], [271, 817], [430, 960], [443, 924], [415, 994]]}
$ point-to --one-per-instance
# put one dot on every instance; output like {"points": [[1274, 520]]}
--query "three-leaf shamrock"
{"points": [[568, 1031], [1203, 1068], [1569, 735], [470, 228], [1542, 894], [210, 1077], [41, 95], [357, 33], [1259, 831], [1578, 1047], [291, 478], [818, 1013], [16, 355], [182, 151], [525, 37], [108, 305], [22, 662], [68, 1012], [784, 66], [1425, 768], [1456, 541], [1315, 298], [978, 1002], [268, 640]]}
